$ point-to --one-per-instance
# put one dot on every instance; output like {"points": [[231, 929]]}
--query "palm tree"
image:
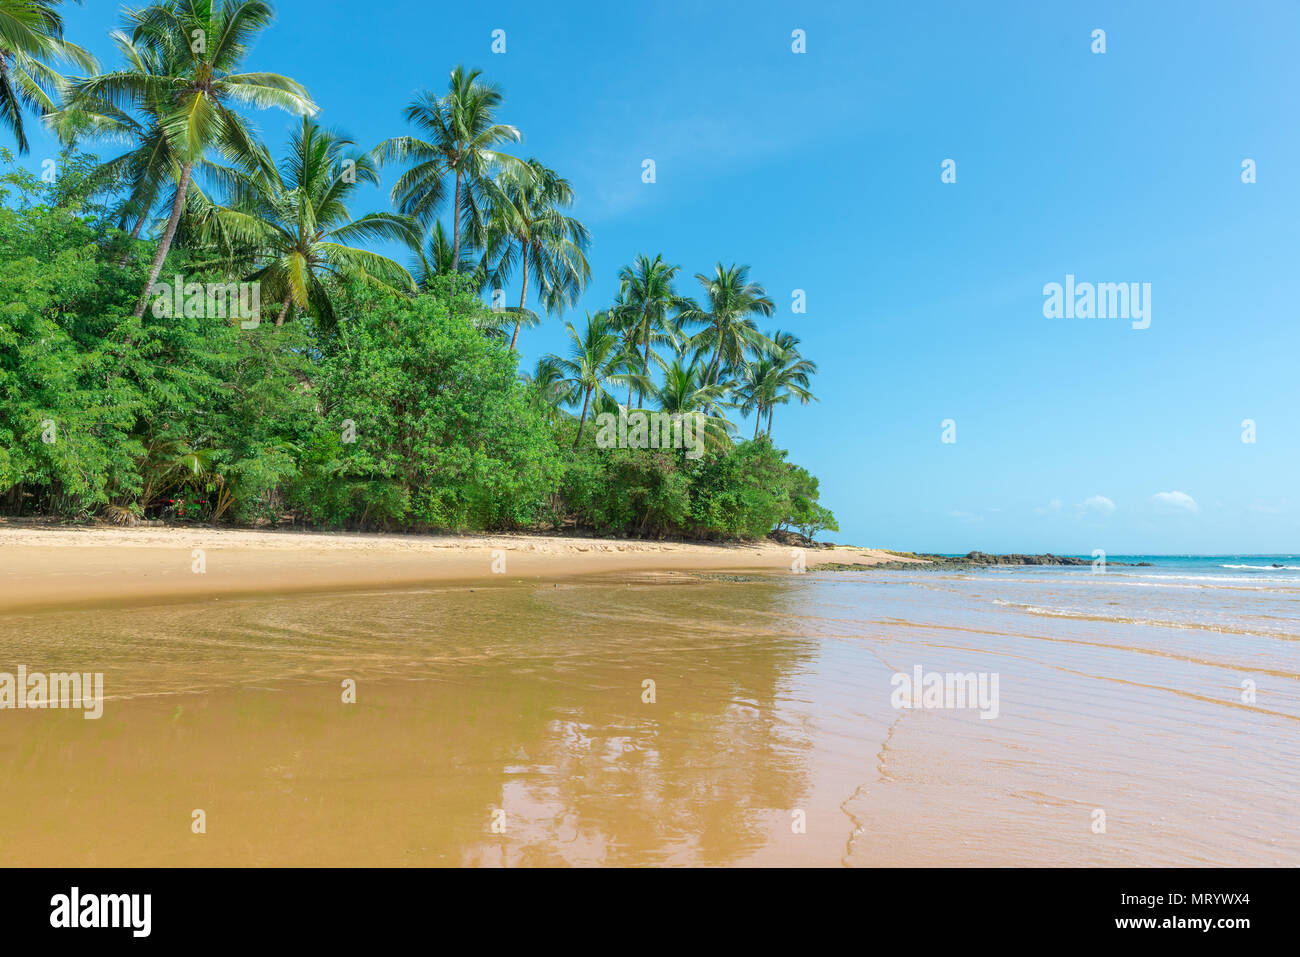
{"points": [[596, 362], [436, 260], [201, 43], [151, 162], [729, 329], [646, 297], [141, 171], [756, 389], [296, 217], [462, 130], [527, 225], [777, 375], [31, 33], [548, 387], [684, 392]]}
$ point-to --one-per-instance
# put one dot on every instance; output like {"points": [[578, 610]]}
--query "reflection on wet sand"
{"points": [[466, 703], [771, 697]]}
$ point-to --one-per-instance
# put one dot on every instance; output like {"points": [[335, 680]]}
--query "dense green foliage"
{"points": [[438, 429], [141, 376], [403, 413], [741, 492]]}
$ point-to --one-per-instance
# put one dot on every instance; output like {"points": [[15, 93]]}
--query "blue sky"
{"points": [[925, 300]]}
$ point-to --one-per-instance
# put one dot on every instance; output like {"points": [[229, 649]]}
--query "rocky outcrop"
{"points": [[969, 560]]}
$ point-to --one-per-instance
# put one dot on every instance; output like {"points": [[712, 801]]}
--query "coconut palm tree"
{"points": [[296, 217], [596, 362], [527, 226], [731, 302], [202, 43], [31, 33], [435, 259], [646, 302], [684, 392], [756, 388], [460, 131], [150, 163], [774, 377], [140, 172], [548, 387]]}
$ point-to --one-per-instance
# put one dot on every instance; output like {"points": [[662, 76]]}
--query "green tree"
{"points": [[807, 514], [596, 361], [646, 301], [31, 35], [436, 259], [460, 131], [296, 217], [548, 388], [682, 393], [202, 43], [444, 433], [775, 376], [151, 163], [731, 302], [527, 226], [65, 417], [740, 492]]}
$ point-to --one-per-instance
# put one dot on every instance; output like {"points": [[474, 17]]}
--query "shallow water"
{"points": [[1120, 693]]}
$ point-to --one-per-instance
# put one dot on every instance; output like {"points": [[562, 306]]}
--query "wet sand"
{"points": [[520, 705]]}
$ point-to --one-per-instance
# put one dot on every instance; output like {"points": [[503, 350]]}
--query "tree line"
{"points": [[107, 407]]}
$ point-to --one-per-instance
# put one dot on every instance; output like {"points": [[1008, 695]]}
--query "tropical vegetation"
{"points": [[375, 394]]}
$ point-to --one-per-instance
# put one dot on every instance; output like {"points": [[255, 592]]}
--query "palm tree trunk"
{"points": [[770, 410], [523, 298], [169, 234], [586, 401], [645, 363], [629, 385], [758, 420], [284, 309], [713, 366], [455, 230]]}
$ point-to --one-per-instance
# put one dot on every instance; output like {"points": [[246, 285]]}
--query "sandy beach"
{"points": [[70, 566], [520, 696]]}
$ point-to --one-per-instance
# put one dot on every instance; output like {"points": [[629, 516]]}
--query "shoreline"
{"points": [[58, 567]]}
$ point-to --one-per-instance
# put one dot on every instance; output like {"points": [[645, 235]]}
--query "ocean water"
{"points": [[1143, 716]]}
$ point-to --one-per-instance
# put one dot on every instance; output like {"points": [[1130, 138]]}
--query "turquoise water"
{"points": [[1228, 564]]}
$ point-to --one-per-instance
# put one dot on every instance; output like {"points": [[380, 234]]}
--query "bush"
{"points": [[441, 431]]}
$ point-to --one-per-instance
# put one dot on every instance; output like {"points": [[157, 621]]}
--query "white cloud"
{"points": [[965, 516], [1179, 500], [1099, 503]]}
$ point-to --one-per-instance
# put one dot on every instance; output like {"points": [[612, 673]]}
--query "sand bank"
{"points": [[41, 567]]}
